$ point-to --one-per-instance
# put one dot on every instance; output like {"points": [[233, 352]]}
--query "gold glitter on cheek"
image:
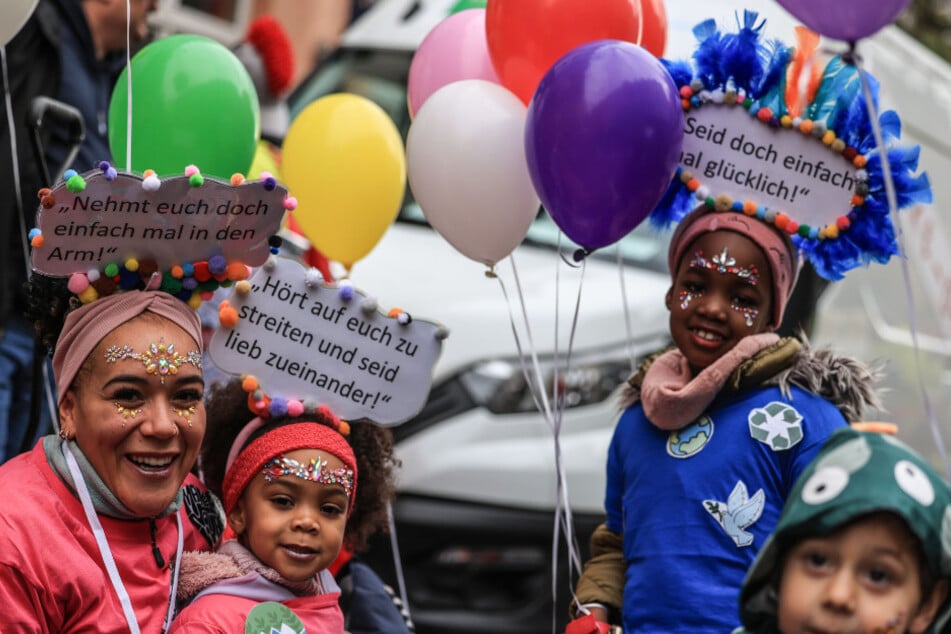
{"points": [[125, 412], [186, 413]]}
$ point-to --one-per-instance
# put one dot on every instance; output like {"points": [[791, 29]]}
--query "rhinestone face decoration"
{"points": [[314, 471], [160, 359], [723, 263]]}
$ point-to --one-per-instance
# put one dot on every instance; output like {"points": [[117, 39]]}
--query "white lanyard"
{"points": [[106, 553]]}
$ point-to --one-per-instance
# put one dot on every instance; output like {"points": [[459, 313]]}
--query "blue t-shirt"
{"points": [[695, 505]]}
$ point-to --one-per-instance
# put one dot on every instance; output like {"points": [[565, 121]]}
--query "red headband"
{"points": [[779, 250], [279, 441]]}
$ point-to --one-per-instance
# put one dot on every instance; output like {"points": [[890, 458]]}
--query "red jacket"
{"points": [[52, 578]]}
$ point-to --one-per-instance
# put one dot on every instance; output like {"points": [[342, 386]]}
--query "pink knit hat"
{"points": [[778, 248]]}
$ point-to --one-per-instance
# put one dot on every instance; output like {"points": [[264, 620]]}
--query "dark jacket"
{"points": [[56, 31]]}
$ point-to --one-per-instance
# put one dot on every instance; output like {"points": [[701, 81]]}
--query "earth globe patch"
{"points": [[688, 441]]}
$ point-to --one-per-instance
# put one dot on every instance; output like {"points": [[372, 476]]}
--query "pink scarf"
{"points": [[672, 398]]}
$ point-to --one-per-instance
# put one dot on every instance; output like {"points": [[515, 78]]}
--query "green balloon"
{"points": [[193, 103], [462, 5]]}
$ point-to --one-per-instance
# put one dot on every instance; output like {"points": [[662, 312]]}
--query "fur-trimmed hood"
{"points": [[843, 381]]}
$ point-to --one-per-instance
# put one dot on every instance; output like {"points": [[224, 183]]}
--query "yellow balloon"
{"points": [[343, 159]]}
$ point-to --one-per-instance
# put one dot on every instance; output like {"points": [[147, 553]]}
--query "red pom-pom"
{"points": [[272, 43]]}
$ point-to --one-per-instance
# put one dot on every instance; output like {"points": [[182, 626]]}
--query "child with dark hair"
{"points": [[863, 545], [323, 487], [713, 434]]}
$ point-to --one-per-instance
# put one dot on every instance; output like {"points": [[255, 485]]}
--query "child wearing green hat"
{"points": [[863, 545]]}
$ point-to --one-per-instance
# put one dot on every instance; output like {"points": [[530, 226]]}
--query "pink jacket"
{"points": [[224, 608], [52, 578]]}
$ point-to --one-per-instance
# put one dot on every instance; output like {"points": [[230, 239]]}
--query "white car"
{"points": [[478, 485]]}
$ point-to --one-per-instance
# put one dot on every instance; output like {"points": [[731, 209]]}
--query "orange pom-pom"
{"points": [[148, 173], [228, 316], [249, 383], [806, 126], [857, 201], [237, 179], [177, 272], [749, 208], [859, 161], [693, 184], [37, 241], [236, 271], [781, 221], [394, 312], [344, 428]]}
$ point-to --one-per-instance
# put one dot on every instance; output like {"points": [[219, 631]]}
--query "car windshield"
{"points": [[381, 76]]}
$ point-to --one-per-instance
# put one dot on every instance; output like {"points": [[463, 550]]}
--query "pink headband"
{"points": [[244, 464], [89, 324], [779, 249]]}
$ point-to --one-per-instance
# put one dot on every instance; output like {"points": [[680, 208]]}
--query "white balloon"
{"points": [[13, 15], [465, 156]]}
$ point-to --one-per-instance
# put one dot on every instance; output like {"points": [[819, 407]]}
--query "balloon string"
{"points": [[563, 519], [543, 393], [627, 311], [521, 353], [563, 516], [128, 84], [853, 58]]}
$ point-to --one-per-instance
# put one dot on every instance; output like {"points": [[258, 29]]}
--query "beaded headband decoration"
{"points": [[771, 134], [112, 231]]}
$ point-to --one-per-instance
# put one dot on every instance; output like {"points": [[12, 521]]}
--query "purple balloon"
{"points": [[847, 20], [602, 139]]}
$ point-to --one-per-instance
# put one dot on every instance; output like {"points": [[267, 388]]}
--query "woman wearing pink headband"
{"points": [[712, 436], [290, 493], [96, 518]]}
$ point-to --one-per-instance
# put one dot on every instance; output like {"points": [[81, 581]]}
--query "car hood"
{"points": [[414, 269]]}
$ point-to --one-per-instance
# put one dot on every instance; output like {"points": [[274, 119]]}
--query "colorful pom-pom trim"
{"points": [[276, 407]]}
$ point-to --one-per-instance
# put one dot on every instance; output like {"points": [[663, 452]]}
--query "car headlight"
{"points": [[501, 387]]}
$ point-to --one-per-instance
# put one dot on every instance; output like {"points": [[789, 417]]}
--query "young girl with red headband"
{"points": [[290, 494]]}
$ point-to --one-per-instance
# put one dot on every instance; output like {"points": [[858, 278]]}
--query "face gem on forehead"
{"points": [[723, 263], [314, 471], [160, 358]]}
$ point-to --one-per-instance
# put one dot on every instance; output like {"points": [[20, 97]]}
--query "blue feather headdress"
{"points": [[771, 134]]}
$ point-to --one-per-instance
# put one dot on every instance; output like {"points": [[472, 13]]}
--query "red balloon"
{"points": [[526, 37]]}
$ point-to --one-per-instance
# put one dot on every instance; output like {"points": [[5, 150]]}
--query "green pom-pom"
{"points": [[76, 184], [112, 269], [170, 284], [804, 230], [196, 180]]}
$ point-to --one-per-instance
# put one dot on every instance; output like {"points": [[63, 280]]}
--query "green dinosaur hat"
{"points": [[856, 473]]}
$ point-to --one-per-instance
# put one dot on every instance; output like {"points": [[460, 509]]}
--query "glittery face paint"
{"points": [[160, 358], [723, 263], [748, 312], [126, 412], [186, 413], [314, 471], [686, 297]]}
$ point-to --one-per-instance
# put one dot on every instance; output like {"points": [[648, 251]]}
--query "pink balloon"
{"points": [[454, 50], [847, 20]]}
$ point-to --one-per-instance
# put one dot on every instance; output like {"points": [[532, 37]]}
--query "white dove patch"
{"points": [[739, 512], [778, 425]]}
